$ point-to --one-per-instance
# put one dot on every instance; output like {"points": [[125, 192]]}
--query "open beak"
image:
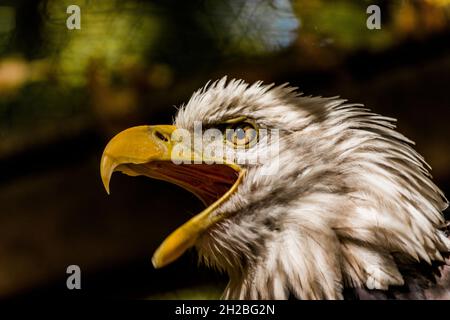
{"points": [[147, 150]]}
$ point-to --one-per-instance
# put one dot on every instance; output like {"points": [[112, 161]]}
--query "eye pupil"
{"points": [[240, 133]]}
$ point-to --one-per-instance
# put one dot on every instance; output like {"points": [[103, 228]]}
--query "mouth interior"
{"points": [[209, 182]]}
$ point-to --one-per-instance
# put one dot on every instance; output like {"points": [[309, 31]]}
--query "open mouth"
{"points": [[209, 182], [147, 150]]}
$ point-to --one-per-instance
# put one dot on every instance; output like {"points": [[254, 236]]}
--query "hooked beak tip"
{"points": [[107, 167], [107, 190]]}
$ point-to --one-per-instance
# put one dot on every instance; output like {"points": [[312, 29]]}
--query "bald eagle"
{"points": [[345, 208]]}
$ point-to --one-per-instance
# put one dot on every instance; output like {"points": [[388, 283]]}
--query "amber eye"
{"points": [[241, 135]]}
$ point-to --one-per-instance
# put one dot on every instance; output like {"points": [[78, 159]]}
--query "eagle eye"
{"points": [[241, 135]]}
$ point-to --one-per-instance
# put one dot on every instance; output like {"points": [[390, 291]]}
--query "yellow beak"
{"points": [[147, 150]]}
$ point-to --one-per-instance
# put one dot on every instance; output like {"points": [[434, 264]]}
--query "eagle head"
{"points": [[305, 196]]}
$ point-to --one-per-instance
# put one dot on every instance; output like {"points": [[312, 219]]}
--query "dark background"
{"points": [[65, 93]]}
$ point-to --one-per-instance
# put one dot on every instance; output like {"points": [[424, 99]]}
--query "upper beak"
{"points": [[136, 145], [143, 145]]}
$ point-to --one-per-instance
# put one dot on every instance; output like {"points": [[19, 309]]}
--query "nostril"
{"points": [[161, 136]]}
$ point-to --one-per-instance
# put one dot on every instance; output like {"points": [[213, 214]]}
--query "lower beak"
{"points": [[147, 150]]}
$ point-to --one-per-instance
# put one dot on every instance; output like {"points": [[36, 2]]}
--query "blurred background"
{"points": [[65, 93]]}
